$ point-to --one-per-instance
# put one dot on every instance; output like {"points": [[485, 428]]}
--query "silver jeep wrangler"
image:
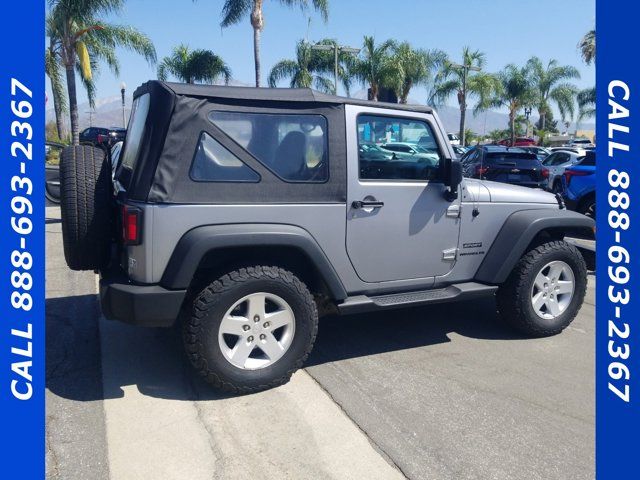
{"points": [[240, 212]]}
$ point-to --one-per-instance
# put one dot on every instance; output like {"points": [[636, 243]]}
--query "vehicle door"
{"points": [[399, 224]]}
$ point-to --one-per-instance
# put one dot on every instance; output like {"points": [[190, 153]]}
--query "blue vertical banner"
{"points": [[22, 321], [618, 248]]}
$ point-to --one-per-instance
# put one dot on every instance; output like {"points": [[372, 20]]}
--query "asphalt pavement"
{"points": [[442, 392]]}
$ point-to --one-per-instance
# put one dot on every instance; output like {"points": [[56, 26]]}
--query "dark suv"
{"points": [[504, 164], [102, 137]]}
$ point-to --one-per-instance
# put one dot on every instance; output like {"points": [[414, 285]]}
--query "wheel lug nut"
{"points": [[256, 318], [246, 327], [250, 339], [266, 324], [263, 336]]}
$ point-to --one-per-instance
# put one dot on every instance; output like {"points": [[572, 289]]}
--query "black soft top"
{"points": [[178, 116], [301, 95]]}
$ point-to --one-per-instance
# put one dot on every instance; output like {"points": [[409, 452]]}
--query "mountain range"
{"points": [[108, 113]]}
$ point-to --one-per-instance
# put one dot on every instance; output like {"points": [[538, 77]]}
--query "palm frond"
{"points": [[233, 11], [53, 71]]}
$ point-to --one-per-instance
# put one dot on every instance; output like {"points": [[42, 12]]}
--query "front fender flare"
{"points": [[516, 235], [196, 243]]}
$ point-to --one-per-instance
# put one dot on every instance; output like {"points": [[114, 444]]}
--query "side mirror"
{"points": [[453, 178]]}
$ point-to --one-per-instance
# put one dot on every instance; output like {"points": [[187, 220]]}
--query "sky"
{"points": [[508, 31]]}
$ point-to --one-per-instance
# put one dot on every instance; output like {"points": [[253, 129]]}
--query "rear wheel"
{"points": [[544, 292], [251, 329], [85, 204], [557, 187]]}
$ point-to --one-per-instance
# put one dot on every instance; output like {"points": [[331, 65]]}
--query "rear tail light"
{"points": [[480, 170], [568, 174], [102, 138], [545, 173], [131, 225]]}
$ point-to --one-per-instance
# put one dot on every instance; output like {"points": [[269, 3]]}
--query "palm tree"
{"points": [[515, 91], [308, 68], [52, 70], [79, 40], [234, 11], [194, 66], [586, 103], [455, 79], [416, 67], [375, 67], [549, 82], [587, 47]]}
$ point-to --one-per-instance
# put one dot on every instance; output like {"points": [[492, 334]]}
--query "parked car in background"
{"points": [[557, 162], [581, 143], [579, 186], [371, 151], [454, 139], [459, 151], [519, 142], [52, 171], [412, 151], [504, 164], [539, 152], [102, 137]]}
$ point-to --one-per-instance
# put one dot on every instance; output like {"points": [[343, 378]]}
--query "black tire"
{"points": [[588, 206], [514, 296], [557, 187], [201, 327], [86, 206]]}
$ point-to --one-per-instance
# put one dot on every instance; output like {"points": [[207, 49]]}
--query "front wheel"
{"points": [[251, 329], [544, 292]]}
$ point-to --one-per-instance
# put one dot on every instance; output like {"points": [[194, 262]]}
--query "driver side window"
{"points": [[396, 148]]}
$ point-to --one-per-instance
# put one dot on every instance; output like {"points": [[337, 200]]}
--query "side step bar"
{"points": [[461, 291]]}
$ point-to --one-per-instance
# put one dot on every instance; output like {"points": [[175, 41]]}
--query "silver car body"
{"points": [[418, 240], [557, 163]]}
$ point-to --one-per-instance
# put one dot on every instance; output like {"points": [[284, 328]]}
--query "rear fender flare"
{"points": [[200, 241]]}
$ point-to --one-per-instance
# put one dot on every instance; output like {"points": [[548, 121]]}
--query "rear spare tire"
{"points": [[85, 204]]}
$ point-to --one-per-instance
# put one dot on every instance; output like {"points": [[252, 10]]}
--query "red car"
{"points": [[520, 142]]}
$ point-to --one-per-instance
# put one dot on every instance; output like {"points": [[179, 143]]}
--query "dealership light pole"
{"points": [[527, 114], [465, 73], [123, 87], [336, 50]]}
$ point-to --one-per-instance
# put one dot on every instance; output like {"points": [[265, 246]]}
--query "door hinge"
{"points": [[449, 254], [453, 211]]}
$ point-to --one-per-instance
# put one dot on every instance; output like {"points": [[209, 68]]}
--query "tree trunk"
{"points": [[512, 125], [256, 54], [462, 101], [374, 92], [543, 119], [463, 117], [73, 104], [257, 22], [59, 121]]}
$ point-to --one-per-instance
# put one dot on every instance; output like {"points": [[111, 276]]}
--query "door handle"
{"points": [[357, 204]]}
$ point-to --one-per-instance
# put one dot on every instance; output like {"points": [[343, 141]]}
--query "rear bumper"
{"points": [[144, 305]]}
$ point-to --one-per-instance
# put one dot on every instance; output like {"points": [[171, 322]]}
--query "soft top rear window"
{"points": [[135, 131]]}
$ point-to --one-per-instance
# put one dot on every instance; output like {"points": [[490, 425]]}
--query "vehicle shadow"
{"points": [[153, 361]]}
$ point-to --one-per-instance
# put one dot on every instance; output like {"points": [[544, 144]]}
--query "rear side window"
{"points": [[294, 147], [135, 131], [214, 163]]}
